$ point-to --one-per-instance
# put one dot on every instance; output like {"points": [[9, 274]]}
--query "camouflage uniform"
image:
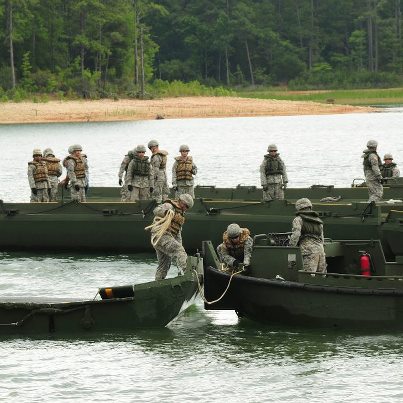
{"points": [[159, 162], [170, 244], [389, 169], [182, 174], [54, 172], [307, 233], [373, 176], [77, 173], [273, 175], [124, 193], [140, 177], [232, 254], [38, 178]]}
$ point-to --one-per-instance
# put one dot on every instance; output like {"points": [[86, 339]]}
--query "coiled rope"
{"points": [[159, 226]]}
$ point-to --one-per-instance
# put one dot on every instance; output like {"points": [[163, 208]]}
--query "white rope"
{"points": [[160, 226]]}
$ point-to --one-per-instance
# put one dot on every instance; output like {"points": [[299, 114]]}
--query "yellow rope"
{"points": [[160, 226]]}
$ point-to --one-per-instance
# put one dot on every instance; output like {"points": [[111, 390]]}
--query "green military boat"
{"points": [[124, 308], [277, 290]]}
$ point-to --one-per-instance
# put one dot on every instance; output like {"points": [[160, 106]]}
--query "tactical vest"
{"points": [[141, 166], [79, 166], [311, 225], [387, 170], [178, 219], [164, 158], [236, 250], [273, 165], [366, 163], [40, 173], [52, 164], [184, 169]]}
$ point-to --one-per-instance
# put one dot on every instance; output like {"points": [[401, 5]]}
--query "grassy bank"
{"points": [[359, 97]]}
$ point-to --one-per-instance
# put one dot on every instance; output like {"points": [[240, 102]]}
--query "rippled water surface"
{"points": [[204, 356]]}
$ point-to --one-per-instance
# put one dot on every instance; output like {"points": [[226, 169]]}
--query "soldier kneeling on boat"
{"points": [[307, 233], [236, 248], [166, 237]]}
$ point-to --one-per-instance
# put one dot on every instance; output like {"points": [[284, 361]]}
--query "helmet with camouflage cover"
{"points": [[184, 147], [372, 144], [140, 149], [187, 199], [302, 204], [47, 152], [272, 147], [152, 143], [36, 151], [388, 156], [75, 147], [233, 230]]}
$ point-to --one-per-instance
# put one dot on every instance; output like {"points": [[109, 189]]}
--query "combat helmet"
{"points": [[140, 148], [152, 143], [272, 147], [233, 230], [184, 147], [187, 199], [36, 151], [75, 147], [372, 144], [388, 156], [302, 204], [47, 152]]}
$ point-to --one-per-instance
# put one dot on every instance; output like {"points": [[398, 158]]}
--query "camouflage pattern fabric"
{"points": [[274, 182], [78, 195], [42, 194], [274, 191], [182, 189], [161, 190], [372, 178], [54, 187], [227, 259], [141, 184], [138, 193], [184, 186], [123, 169]]}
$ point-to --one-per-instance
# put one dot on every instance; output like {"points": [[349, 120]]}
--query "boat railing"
{"points": [[346, 275]]}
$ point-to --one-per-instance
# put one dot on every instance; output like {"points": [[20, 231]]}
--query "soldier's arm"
{"points": [[375, 167], [59, 169], [70, 171], [247, 254], [194, 169], [151, 176], [161, 210], [31, 176], [174, 173], [395, 172], [224, 256], [263, 178], [123, 166], [285, 177], [296, 231], [129, 172]]}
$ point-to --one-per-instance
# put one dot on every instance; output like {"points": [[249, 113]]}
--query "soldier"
{"points": [[38, 178], [373, 176], [159, 163], [140, 176], [77, 173], [273, 175], [54, 172], [236, 249], [389, 169], [182, 173], [307, 233], [125, 196], [166, 235]]}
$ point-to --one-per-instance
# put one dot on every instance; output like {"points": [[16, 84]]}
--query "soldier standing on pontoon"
{"points": [[38, 178], [273, 175], [54, 172], [373, 176], [77, 173], [389, 168], [159, 163], [182, 173], [123, 169]]}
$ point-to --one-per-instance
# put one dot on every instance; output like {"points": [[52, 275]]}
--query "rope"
{"points": [[159, 226], [225, 291]]}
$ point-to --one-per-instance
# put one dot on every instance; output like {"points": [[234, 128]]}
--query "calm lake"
{"points": [[203, 356]]}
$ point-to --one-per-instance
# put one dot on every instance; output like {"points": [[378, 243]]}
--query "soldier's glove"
{"points": [[151, 190], [130, 187], [77, 188], [34, 191], [120, 182], [381, 181], [265, 188], [175, 188], [236, 264]]}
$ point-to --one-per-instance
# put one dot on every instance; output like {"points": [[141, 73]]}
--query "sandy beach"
{"points": [[167, 108]]}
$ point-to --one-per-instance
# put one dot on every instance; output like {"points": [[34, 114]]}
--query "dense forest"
{"points": [[97, 48]]}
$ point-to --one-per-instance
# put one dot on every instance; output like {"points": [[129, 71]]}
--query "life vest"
{"points": [[164, 158], [184, 168], [141, 166], [52, 164], [311, 225], [40, 173], [236, 250], [387, 170], [366, 163], [79, 166], [273, 165], [178, 219]]}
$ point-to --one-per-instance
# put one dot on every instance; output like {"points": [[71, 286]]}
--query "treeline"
{"points": [[105, 48]]}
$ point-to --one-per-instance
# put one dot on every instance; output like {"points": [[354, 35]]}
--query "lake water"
{"points": [[203, 356]]}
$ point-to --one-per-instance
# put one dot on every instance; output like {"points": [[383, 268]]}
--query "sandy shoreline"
{"points": [[167, 108]]}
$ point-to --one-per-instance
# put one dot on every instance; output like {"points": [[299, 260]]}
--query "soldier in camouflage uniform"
{"points": [[140, 176], [54, 171], [38, 178], [182, 173], [125, 196], [307, 233], [273, 175], [236, 249], [373, 176], [159, 163], [169, 245], [77, 173], [389, 169]]}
